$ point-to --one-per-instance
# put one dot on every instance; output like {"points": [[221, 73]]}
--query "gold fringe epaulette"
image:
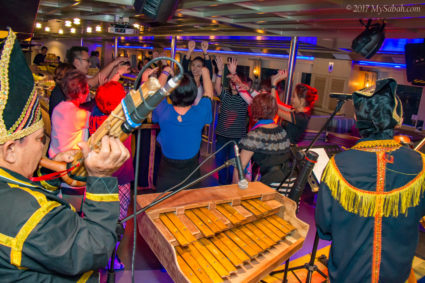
{"points": [[363, 202], [377, 145]]}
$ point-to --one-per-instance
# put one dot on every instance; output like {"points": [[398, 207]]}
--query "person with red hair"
{"points": [[108, 97], [295, 116], [267, 143]]}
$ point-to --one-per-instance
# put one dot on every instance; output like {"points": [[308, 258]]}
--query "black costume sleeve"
{"points": [[323, 213], [63, 242]]}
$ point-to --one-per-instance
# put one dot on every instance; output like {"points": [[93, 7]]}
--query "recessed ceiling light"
{"points": [[98, 28], [136, 25], [89, 29], [60, 31], [46, 29], [77, 21], [38, 25], [72, 30], [68, 23]]}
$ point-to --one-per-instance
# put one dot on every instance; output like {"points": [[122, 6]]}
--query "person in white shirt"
{"points": [[69, 121]]}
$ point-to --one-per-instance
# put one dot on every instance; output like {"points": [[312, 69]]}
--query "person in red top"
{"points": [[108, 97]]}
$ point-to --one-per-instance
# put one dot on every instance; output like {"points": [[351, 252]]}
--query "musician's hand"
{"points": [[107, 160], [66, 156]]}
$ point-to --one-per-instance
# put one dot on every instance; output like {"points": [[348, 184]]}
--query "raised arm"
{"points": [[284, 109], [207, 58], [186, 57], [102, 77], [207, 83], [167, 71], [242, 88], [220, 69]]}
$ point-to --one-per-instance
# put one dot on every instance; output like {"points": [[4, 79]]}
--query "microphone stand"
{"points": [[296, 194]]}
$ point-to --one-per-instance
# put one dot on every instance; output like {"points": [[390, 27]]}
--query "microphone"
{"points": [[140, 112], [243, 183], [341, 96], [309, 160]]}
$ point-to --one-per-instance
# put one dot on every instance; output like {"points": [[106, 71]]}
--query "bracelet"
{"points": [[219, 75], [165, 73]]}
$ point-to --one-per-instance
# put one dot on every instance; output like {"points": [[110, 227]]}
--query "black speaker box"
{"points": [[158, 10], [415, 63], [370, 40]]}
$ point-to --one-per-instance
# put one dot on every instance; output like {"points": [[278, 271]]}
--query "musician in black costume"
{"points": [[42, 238]]}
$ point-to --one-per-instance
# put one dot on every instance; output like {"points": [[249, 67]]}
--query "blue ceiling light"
{"points": [[135, 47], [396, 45], [380, 64], [283, 56]]}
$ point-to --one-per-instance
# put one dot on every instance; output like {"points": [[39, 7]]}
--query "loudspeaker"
{"points": [[158, 10], [415, 63], [370, 40]]}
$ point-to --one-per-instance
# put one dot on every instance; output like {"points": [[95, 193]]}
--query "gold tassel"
{"points": [[363, 202]]}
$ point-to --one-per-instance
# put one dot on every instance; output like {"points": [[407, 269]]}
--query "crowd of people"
{"points": [[60, 245]]}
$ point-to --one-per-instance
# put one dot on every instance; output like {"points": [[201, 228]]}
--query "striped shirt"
{"points": [[232, 120]]}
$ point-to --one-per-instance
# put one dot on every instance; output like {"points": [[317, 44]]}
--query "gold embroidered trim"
{"points": [[364, 203], [102, 197], [85, 277], [377, 231], [5, 175], [377, 145], [41, 198], [4, 77], [32, 222], [30, 102], [23, 133]]}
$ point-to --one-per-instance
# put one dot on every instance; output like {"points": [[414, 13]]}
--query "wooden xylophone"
{"points": [[222, 234]]}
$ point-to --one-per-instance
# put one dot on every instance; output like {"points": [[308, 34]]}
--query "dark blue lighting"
{"points": [[393, 45], [248, 53], [135, 47], [380, 64], [305, 39]]}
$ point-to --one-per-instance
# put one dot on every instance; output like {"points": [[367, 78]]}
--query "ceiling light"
{"points": [[46, 29], [89, 29], [72, 30], [77, 21], [98, 28], [68, 23], [60, 31], [136, 26], [38, 25]]}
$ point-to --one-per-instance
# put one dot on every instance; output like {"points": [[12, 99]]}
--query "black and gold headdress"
{"points": [[19, 104]]}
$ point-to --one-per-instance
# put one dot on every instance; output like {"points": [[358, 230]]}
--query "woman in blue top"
{"points": [[181, 125]]}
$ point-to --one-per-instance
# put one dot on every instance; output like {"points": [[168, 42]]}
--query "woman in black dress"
{"points": [[267, 143]]}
